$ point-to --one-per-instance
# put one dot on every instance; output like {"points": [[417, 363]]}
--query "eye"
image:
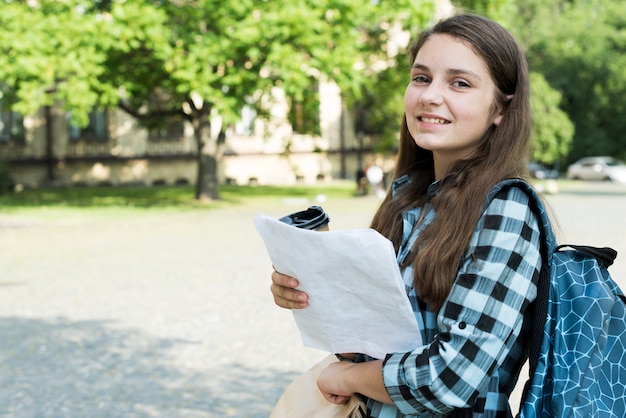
{"points": [[461, 84], [420, 78]]}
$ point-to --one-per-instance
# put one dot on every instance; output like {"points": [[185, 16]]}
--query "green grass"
{"points": [[180, 197]]}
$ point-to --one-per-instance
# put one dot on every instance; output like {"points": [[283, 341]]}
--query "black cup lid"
{"points": [[313, 218]]}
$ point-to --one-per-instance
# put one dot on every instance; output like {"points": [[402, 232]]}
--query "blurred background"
{"points": [[280, 92]]}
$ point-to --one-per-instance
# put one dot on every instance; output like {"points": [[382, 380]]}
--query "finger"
{"points": [[284, 280], [336, 399], [285, 294], [288, 298]]}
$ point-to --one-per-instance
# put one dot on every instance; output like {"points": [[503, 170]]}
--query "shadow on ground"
{"points": [[70, 369]]}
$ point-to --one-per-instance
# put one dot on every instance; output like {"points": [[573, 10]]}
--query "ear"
{"points": [[499, 116]]}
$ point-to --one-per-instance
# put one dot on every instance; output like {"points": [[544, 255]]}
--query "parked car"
{"points": [[598, 168], [541, 172]]}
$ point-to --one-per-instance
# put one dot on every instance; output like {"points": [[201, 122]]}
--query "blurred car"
{"points": [[541, 172], [598, 168]]}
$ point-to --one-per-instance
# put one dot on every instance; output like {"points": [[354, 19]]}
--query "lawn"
{"points": [[159, 197]]}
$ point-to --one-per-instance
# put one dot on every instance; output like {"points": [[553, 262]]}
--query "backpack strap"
{"points": [[605, 255]]}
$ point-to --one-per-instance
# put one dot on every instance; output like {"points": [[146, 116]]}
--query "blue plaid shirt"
{"points": [[475, 344]]}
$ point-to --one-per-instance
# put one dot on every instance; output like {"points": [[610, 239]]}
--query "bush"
{"points": [[7, 184]]}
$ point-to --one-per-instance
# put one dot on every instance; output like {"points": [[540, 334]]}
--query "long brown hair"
{"points": [[502, 153]]}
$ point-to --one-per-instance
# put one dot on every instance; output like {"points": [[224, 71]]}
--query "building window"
{"points": [[96, 129], [245, 126], [171, 129], [11, 125]]}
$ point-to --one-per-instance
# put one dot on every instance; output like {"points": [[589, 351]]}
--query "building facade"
{"points": [[46, 149]]}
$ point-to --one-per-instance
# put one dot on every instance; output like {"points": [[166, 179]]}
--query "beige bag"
{"points": [[303, 399]]}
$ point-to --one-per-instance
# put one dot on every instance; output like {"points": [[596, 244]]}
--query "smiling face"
{"points": [[449, 102]]}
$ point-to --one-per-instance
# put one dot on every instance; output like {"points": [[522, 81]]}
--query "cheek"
{"points": [[411, 97], [477, 112]]}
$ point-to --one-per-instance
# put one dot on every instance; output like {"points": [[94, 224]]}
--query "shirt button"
{"points": [[462, 325]]}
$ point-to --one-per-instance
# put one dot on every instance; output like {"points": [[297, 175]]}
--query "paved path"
{"points": [[169, 315]]}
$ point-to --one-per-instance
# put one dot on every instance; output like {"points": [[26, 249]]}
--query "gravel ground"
{"points": [[170, 315]]}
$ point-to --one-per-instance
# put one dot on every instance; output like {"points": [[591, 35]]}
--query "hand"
{"points": [[341, 379], [285, 294], [330, 383]]}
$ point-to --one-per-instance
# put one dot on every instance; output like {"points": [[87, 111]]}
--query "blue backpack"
{"points": [[577, 355]]}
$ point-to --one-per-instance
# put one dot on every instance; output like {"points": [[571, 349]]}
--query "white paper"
{"points": [[357, 299]]}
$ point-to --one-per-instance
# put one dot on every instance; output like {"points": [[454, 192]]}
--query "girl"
{"points": [[470, 270]]}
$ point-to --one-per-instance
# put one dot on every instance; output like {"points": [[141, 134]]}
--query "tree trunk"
{"points": [[50, 178], [210, 149], [209, 158]]}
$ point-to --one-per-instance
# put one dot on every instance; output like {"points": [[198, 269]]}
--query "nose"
{"points": [[432, 95]]}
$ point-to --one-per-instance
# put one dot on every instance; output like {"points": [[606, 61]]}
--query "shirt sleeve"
{"points": [[482, 317]]}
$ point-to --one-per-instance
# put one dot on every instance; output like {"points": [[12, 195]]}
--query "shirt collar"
{"points": [[402, 182]]}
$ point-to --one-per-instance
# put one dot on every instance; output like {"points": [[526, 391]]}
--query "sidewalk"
{"points": [[170, 315]]}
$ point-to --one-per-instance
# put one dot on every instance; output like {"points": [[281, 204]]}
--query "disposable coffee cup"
{"points": [[313, 218]]}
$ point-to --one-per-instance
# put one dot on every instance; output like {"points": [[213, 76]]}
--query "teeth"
{"points": [[433, 120]]}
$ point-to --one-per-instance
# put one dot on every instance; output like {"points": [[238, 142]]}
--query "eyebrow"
{"points": [[451, 71]]}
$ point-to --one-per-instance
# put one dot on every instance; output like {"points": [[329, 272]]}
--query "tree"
{"points": [[552, 130], [377, 100], [190, 59], [579, 47], [52, 53], [490, 8], [209, 57]]}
